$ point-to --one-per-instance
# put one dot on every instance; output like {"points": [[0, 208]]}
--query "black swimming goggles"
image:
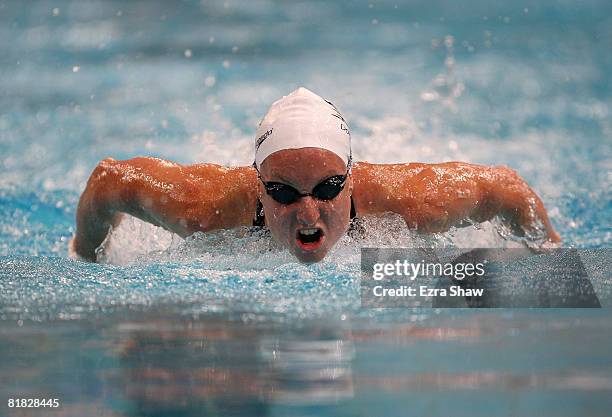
{"points": [[327, 189]]}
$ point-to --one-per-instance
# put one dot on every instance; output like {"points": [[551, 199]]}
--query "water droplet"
{"points": [[210, 81], [429, 96], [449, 41]]}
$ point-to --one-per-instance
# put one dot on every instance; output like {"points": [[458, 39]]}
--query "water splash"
{"points": [[251, 248]]}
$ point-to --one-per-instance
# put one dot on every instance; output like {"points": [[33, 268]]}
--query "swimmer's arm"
{"points": [[435, 197], [181, 199]]}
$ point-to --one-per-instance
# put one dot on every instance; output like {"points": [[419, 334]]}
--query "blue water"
{"points": [[222, 325]]}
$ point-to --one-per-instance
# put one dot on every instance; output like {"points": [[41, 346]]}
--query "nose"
{"points": [[307, 213]]}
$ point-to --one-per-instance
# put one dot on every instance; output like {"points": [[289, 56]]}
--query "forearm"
{"points": [[97, 211], [430, 197], [511, 198], [435, 197], [181, 199], [117, 187], [479, 193]]}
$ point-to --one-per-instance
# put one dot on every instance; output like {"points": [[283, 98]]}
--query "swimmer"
{"points": [[304, 187]]}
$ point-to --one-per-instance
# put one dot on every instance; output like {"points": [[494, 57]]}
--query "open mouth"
{"points": [[310, 239]]}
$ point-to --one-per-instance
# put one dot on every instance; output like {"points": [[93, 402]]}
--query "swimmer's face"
{"points": [[309, 227]]}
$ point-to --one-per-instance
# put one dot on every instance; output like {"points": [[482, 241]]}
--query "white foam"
{"points": [[135, 241]]}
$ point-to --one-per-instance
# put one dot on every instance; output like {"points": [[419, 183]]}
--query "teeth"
{"points": [[309, 231]]}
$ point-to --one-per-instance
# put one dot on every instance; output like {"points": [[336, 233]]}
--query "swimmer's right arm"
{"points": [[181, 199]]}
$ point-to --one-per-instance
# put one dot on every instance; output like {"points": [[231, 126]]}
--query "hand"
{"points": [[521, 207]]}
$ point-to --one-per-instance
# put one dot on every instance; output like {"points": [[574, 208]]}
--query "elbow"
{"points": [[101, 188], [508, 176], [100, 174], [501, 183], [104, 167]]}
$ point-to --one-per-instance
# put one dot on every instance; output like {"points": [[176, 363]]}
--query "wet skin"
{"points": [[206, 197]]}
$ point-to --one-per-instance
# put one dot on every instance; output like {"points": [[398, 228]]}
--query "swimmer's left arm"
{"points": [[435, 197]]}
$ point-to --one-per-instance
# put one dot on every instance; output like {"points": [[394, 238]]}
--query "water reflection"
{"points": [[133, 364], [302, 371], [212, 368]]}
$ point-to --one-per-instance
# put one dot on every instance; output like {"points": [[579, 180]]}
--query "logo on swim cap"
{"points": [[302, 119], [262, 138], [343, 126]]}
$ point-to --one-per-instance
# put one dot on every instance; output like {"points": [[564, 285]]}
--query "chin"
{"points": [[310, 257]]}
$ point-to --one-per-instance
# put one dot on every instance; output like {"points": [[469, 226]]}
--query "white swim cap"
{"points": [[302, 120]]}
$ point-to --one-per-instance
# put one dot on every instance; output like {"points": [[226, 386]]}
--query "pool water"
{"points": [[229, 324]]}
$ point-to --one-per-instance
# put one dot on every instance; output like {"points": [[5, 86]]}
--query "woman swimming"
{"points": [[304, 187]]}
